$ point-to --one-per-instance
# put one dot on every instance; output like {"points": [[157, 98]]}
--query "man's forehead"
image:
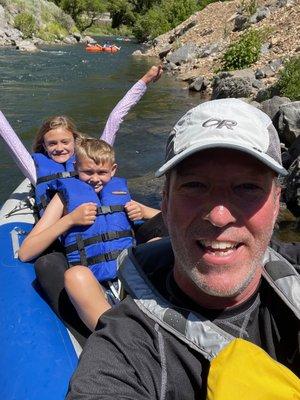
{"points": [[209, 159]]}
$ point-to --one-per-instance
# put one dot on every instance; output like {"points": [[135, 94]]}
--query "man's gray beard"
{"points": [[193, 274], [234, 291]]}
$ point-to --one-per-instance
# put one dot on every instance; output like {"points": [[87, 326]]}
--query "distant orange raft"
{"points": [[100, 49]]}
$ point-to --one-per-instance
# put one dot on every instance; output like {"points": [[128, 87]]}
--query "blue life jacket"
{"points": [[47, 172], [97, 246]]}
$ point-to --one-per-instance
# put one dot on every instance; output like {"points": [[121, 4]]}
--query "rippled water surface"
{"points": [[67, 80]]}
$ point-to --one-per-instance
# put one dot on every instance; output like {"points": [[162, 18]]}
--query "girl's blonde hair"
{"points": [[96, 149], [58, 121]]}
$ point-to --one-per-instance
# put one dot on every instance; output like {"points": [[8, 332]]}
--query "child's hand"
{"points": [[134, 210], [153, 74], [85, 214]]}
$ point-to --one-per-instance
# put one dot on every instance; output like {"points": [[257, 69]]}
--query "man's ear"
{"points": [[277, 195], [164, 207], [114, 169]]}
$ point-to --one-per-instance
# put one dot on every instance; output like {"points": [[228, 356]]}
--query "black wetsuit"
{"points": [[131, 356]]}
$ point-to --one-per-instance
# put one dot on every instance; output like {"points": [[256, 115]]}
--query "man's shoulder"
{"points": [[154, 255]]}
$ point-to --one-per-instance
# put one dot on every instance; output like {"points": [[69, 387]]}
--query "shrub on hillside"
{"points": [[163, 17], [52, 31], [289, 79], [244, 52], [150, 25], [25, 23]]}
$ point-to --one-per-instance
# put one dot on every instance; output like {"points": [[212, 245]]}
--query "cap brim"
{"points": [[264, 158]]}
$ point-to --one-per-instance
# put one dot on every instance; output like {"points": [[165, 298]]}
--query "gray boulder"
{"points": [[164, 51], [269, 70], [181, 31], [289, 121], [137, 53], [184, 54], [26, 45], [169, 66], [208, 50], [3, 22], [272, 106], [88, 40], [261, 13], [266, 93], [69, 39], [241, 22], [235, 84], [77, 36], [199, 84]]}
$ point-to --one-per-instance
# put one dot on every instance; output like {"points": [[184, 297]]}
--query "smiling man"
{"points": [[214, 280]]}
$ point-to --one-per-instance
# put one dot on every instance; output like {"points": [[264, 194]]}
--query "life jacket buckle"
{"points": [[103, 210], [108, 236], [65, 174]]}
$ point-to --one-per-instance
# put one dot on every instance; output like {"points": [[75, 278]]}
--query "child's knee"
{"points": [[77, 275]]}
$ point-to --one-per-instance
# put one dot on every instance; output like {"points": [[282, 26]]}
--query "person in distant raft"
{"points": [[212, 312]]}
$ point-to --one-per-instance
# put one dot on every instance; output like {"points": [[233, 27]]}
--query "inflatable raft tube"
{"points": [[37, 353]]}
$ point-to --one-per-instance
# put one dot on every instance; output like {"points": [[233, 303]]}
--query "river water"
{"points": [[86, 87], [68, 80]]}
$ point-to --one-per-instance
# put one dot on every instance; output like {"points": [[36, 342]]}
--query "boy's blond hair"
{"points": [[96, 149]]}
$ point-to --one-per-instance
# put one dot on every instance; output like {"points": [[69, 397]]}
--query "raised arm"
{"points": [[131, 98], [17, 149]]}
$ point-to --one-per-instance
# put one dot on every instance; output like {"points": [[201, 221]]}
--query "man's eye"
{"points": [[247, 187], [194, 185]]}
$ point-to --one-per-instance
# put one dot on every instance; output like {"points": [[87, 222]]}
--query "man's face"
{"points": [[220, 209]]}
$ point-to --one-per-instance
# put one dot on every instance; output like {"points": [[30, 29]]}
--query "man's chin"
{"points": [[224, 286]]}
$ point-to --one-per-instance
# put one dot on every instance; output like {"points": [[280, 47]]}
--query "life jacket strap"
{"points": [[81, 249], [102, 210], [112, 255], [103, 237], [43, 204], [58, 175]]}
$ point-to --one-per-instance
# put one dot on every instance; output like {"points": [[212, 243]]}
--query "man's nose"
{"points": [[220, 215]]}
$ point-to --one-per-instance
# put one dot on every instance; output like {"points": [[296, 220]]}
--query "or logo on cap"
{"points": [[219, 123]]}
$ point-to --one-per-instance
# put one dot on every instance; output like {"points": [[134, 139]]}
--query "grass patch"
{"points": [[52, 31], [289, 79]]}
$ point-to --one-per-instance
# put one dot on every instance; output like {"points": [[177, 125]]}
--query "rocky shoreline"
{"points": [[10, 36], [192, 52]]}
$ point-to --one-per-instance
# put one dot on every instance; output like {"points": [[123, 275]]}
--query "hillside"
{"points": [[25, 23], [194, 49]]}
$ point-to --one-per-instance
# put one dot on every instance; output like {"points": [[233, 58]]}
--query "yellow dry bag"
{"points": [[244, 371]]}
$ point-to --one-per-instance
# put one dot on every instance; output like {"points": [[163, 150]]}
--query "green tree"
{"points": [[83, 12], [121, 12], [150, 25], [161, 18]]}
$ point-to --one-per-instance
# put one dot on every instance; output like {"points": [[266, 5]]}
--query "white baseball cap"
{"points": [[225, 123]]}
